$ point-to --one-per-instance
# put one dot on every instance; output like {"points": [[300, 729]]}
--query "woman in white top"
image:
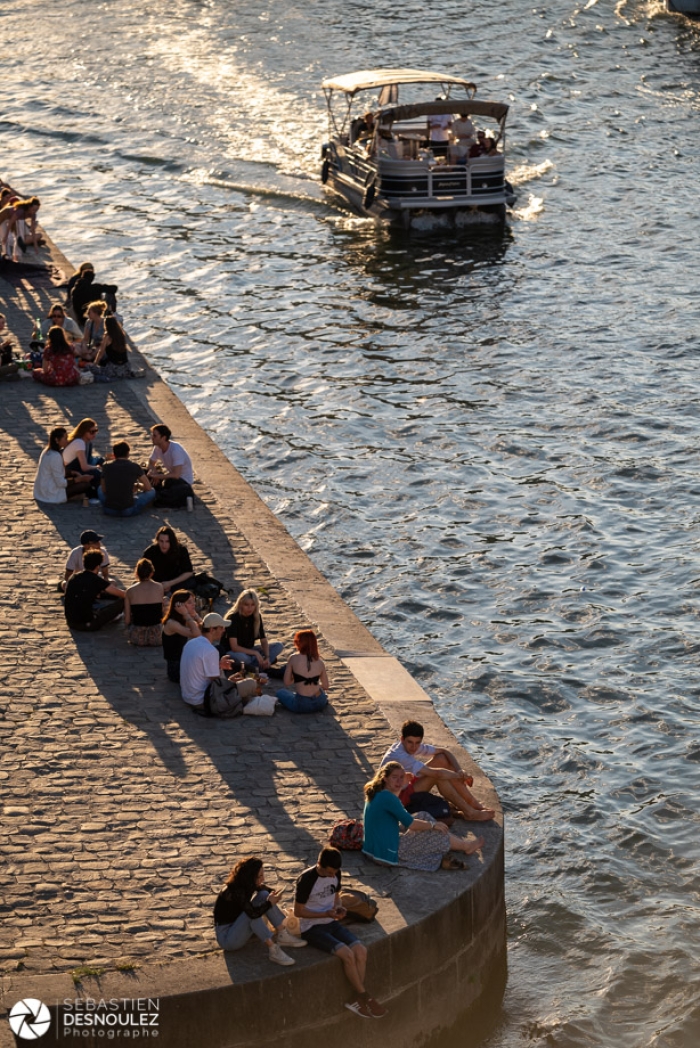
{"points": [[77, 454], [57, 318], [51, 484], [94, 332]]}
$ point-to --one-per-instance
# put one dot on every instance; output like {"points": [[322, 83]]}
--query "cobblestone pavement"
{"points": [[122, 812]]}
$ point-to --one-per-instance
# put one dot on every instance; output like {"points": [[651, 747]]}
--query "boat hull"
{"points": [[403, 191]]}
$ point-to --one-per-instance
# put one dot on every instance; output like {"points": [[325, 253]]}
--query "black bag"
{"points": [[223, 699], [173, 493], [429, 802], [206, 586]]}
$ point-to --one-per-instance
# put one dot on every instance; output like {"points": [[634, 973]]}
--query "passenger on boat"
{"points": [[439, 126], [388, 146], [478, 148], [490, 147], [463, 128], [362, 128], [463, 138]]}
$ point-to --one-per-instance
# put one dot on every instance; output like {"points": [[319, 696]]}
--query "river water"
{"points": [[488, 444]]}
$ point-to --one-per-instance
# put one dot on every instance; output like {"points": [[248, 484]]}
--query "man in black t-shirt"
{"points": [[116, 492], [85, 606]]}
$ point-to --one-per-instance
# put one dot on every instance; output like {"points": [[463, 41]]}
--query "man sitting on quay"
{"points": [[174, 485], [89, 540], [119, 479], [85, 607], [438, 767], [317, 905], [200, 664]]}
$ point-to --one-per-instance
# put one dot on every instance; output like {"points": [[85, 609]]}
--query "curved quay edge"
{"points": [[437, 953]]}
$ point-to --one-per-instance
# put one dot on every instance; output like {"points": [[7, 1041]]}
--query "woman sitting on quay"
{"points": [[78, 456], [307, 672], [181, 623], [112, 358], [57, 318], [143, 608], [51, 484], [58, 366], [244, 908], [94, 331], [246, 626], [423, 844], [171, 561]]}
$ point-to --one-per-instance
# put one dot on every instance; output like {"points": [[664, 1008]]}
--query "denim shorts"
{"points": [[329, 937]]}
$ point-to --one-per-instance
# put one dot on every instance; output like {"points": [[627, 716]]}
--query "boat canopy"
{"points": [[368, 79], [496, 110]]}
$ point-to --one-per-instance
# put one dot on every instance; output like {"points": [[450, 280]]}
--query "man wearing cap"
{"points": [[85, 605], [200, 663], [89, 540]]}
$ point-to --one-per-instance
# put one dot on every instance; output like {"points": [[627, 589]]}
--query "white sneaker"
{"points": [[93, 502], [278, 956], [285, 938]]}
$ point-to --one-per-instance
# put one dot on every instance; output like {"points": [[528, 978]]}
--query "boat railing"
{"points": [[479, 177]]}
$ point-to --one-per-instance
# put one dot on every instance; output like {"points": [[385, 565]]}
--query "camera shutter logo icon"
{"points": [[30, 1019]]}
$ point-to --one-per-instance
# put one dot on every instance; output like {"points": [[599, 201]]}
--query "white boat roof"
{"points": [[368, 79]]}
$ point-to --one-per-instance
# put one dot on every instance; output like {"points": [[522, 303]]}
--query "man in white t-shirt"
{"points": [[200, 663], [174, 483], [317, 905], [89, 540], [438, 767]]}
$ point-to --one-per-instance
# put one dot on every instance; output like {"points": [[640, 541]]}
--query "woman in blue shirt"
{"points": [[423, 845]]}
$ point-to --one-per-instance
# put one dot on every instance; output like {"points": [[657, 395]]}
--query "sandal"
{"points": [[449, 862]]}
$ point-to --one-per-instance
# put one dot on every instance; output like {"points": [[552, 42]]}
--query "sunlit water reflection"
{"points": [[487, 443]]}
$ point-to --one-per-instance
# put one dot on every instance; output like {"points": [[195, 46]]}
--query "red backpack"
{"points": [[347, 835]]}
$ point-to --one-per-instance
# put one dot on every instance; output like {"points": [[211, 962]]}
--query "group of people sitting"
{"points": [[18, 224], [456, 140], [159, 609], [66, 350], [68, 468], [89, 346], [397, 831]]}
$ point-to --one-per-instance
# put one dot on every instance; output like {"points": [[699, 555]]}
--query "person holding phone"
{"points": [[317, 905], [245, 906]]}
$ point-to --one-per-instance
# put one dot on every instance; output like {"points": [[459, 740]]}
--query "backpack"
{"points": [[207, 587], [348, 835], [360, 906], [224, 698]]}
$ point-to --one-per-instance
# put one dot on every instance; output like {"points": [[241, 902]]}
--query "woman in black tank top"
{"points": [[306, 672]]}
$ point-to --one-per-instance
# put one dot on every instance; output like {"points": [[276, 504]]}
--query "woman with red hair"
{"points": [[307, 672]]}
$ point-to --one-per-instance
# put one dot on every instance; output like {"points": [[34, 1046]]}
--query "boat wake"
{"points": [[534, 208], [529, 172]]}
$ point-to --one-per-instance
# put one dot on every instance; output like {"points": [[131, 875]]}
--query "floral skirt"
{"points": [[145, 636], [423, 851]]}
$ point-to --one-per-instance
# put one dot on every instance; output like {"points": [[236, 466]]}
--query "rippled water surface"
{"points": [[489, 444]]}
